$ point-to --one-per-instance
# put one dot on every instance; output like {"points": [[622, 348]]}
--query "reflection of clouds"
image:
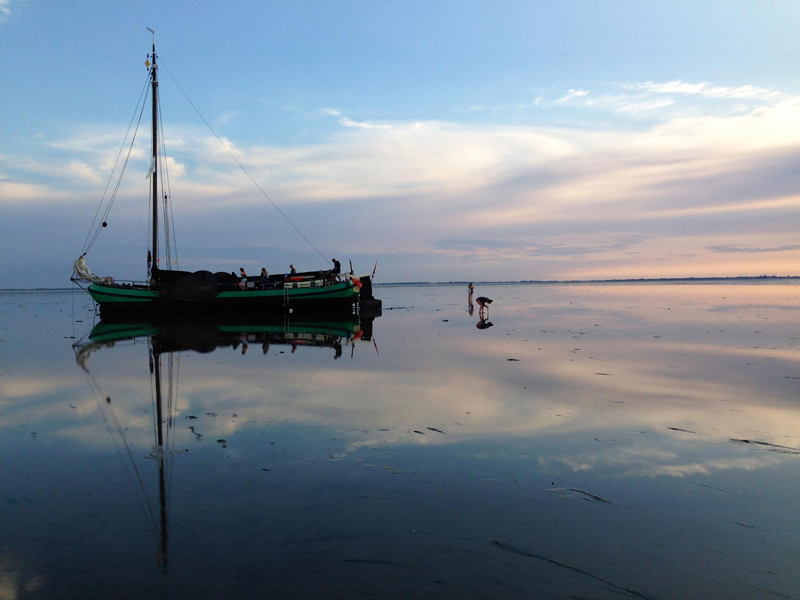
{"points": [[674, 359], [643, 461], [15, 584], [682, 470]]}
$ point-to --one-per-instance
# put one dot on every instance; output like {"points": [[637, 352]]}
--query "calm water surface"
{"points": [[596, 441]]}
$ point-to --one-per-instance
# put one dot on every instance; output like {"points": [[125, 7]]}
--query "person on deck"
{"points": [[292, 270], [337, 269], [264, 278]]}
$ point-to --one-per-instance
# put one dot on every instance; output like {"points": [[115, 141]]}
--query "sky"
{"points": [[446, 141]]}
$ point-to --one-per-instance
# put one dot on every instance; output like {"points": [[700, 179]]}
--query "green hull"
{"points": [[116, 297]]}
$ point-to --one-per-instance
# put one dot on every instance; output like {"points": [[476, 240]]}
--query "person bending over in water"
{"points": [[483, 302]]}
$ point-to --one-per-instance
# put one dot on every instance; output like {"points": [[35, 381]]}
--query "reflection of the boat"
{"points": [[208, 335], [168, 338]]}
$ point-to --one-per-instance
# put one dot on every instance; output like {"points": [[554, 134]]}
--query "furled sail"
{"points": [[82, 269]]}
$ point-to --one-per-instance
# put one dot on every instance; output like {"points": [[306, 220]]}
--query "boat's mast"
{"points": [[154, 175]]}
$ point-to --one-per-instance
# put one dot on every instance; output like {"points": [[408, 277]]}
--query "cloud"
{"points": [[84, 173], [517, 201], [473, 108], [523, 247], [748, 250], [646, 106], [706, 90], [5, 9], [347, 122], [571, 95], [227, 117]]}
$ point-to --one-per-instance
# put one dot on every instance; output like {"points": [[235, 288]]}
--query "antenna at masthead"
{"points": [[154, 35]]}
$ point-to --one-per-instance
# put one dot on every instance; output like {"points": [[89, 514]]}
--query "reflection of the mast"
{"points": [[171, 337], [161, 452]]}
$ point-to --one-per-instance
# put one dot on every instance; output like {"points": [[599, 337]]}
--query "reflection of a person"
{"points": [[484, 324], [265, 346], [338, 347], [470, 307]]}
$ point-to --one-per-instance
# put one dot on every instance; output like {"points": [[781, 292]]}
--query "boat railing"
{"points": [[128, 283]]}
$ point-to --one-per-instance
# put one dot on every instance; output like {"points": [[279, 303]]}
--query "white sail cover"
{"points": [[82, 269]]}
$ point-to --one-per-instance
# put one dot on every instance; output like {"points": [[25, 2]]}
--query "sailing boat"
{"points": [[169, 291]]}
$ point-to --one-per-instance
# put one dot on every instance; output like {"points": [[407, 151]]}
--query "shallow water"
{"points": [[597, 441]]}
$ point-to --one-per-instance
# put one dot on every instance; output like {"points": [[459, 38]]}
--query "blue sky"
{"points": [[446, 140]]}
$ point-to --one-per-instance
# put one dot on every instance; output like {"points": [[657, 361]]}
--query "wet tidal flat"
{"points": [[579, 441]]}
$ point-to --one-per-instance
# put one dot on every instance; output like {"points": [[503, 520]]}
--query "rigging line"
{"points": [[162, 167], [173, 400], [166, 180], [73, 309], [292, 397], [98, 395], [288, 220], [149, 225], [111, 175], [119, 181]]}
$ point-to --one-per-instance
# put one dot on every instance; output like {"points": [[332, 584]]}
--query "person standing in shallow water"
{"points": [[470, 289]]}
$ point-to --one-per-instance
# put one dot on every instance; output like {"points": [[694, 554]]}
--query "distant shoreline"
{"points": [[756, 279]]}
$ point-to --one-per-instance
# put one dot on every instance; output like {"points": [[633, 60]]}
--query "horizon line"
{"points": [[521, 281]]}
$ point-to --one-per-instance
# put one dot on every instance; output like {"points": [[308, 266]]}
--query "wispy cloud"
{"points": [[5, 9], [227, 117], [572, 95], [347, 122], [749, 250], [473, 108], [705, 89], [544, 202]]}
